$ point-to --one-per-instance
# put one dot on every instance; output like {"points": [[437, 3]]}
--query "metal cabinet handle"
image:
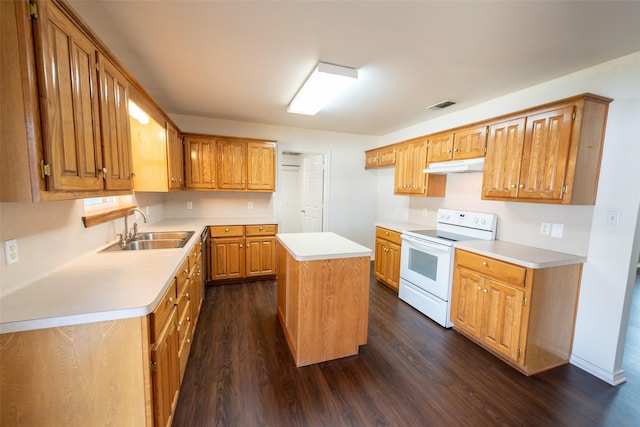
{"points": [[170, 300], [485, 290], [479, 288], [484, 263]]}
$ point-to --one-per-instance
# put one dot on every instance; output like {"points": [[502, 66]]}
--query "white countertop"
{"points": [[403, 226], [105, 285], [526, 256], [317, 246]]}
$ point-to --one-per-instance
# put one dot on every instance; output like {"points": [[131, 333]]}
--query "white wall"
{"points": [[607, 280], [351, 192]]}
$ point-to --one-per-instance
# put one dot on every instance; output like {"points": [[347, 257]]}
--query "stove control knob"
{"points": [[484, 221], [475, 220]]}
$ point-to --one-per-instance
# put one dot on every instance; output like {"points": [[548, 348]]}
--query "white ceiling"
{"points": [[245, 60]]}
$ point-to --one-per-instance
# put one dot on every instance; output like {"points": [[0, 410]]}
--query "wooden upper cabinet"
{"points": [[175, 153], [462, 144], [550, 154], [116, 136], [261, 166], [231, 162], [67, 76], [502, 165], [440, 147], [380, 157], [411, 159], [470, 143], [200, 161]]}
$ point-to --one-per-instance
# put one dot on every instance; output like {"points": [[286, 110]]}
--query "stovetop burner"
{"points": [[456, 226]]}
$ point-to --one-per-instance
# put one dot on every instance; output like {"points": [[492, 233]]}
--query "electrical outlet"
{"points": [[189, 205], [557, 230], [545, 228], [424, 212], [250, 205], [11, 251]]}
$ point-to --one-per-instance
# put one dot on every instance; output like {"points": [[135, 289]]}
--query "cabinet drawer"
{"points": [[491, 267], [261, 230], [386, 234], [183, 299], [181, 276], [193, 256], [226, 231], [162, 311]]}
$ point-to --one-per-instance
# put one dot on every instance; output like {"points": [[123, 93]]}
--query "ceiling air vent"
{"points": [[441, 105]]}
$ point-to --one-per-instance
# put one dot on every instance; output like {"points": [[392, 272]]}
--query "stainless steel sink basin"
{"points": [[153, 240], [163, 235]]}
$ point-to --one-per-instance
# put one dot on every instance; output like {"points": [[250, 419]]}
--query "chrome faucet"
{"points": [[130, 234]]}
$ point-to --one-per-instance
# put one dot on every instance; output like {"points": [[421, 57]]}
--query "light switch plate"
{"points": [[11, 251], [613, 218], [545, 228]]}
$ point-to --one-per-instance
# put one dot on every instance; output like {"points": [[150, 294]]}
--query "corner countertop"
{"points": [[526, 256], [318, 246], [103, 286]]}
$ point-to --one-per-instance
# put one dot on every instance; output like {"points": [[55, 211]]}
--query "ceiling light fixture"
{"points": [[323, 85]]}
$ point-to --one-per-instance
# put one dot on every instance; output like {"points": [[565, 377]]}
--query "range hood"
{"points": [[456, 166]]}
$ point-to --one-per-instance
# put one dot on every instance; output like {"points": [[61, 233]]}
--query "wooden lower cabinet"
{"points": [[523, 315], [123, 372], [387, 257], [242, 251]]}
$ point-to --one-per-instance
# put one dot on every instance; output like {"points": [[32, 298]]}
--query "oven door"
{"points": [[426, 265]]}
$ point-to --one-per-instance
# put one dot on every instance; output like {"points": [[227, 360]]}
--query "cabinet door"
{"points": [[393, 271], [545, 154], [114, 119], [227, 258], [466, 300], [502, 164], [411, 159], [261, 256], [440, 147], [200, 162], [502, 317], [261, 166], [231, 164], [470, 143], [381, 262], [165, 372], [175, 156], [70, 116]]}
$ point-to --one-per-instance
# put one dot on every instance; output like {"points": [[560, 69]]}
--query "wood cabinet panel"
{"points": [[231, 163], [469, 143], [175, 155], [227, 258], [166, 372], [380, 157], [502, 166], [69, 103], [411, 159], [440, 147], [200, 162], [261, 256], [261, 166], [502, 318], [387, 257], [116, 136]]}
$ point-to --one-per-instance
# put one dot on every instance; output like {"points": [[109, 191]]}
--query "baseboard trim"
{"points": [[612, 378]]}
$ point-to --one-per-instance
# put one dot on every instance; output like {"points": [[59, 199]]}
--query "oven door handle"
{"points": [[426, 245]]}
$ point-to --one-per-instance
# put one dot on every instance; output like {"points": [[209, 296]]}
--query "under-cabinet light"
{"points": [[323, 85], [137, 113]]}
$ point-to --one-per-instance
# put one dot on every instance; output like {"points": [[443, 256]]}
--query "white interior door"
{"points": [[313, 193]]}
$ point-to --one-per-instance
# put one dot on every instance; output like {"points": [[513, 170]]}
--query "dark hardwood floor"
{"points": [[412, 372]]}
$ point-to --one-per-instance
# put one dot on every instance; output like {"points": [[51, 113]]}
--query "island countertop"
{"points": [[321, 245]]}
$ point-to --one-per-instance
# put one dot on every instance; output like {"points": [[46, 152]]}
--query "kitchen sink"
{"points": [[153, 240]]}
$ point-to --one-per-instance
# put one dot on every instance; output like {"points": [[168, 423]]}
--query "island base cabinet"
{"points": [[525, 316], [77, 375], [323, 306]]}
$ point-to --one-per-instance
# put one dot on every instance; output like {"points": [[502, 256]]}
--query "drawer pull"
{"points": [[484, 263], [479, 288], [485, 290], [226, 230], [187, 295], [260, 228], [170, 300]]}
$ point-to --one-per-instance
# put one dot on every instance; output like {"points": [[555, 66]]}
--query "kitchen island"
{"points": [[323, 295]]}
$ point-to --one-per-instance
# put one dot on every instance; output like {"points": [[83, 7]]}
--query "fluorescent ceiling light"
{"points": [[323, 85], [137, 113]]}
